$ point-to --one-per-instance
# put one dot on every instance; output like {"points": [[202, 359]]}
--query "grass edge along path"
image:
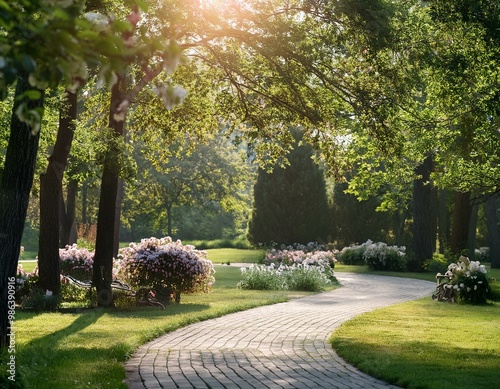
{"points": [[426, 344], [88, 349]]}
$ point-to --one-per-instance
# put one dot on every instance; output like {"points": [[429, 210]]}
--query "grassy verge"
{"points": [[88, 349], [229, 255], [421, 344], [427, 344]]}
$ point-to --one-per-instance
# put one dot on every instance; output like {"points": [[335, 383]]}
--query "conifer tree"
{"points": [[290, 203]]}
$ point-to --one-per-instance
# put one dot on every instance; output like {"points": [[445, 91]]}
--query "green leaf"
{"points": [[33, 94], [28, 63]]}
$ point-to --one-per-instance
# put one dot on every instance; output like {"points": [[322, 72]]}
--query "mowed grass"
{"points": [[88, 349], [421, 344], [427, 344], [228, 256]]}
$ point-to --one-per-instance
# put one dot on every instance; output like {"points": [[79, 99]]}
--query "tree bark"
{"points": [[472, 231], [49, 267], [15, 187], [68, 229], [106, 223], [493, 232], [444, 221], [424, 214], [461, 217]]}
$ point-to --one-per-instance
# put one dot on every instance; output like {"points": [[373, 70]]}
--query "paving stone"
{"points": [[278, 346]]}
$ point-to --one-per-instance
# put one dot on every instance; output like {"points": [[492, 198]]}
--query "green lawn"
{"points": [[227, 256], [87, 349], [427, 344], [421, 344]]}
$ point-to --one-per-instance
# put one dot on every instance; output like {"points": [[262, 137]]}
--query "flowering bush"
{"points": [[378, 256], [262, 277], [482, 254], [323, 259], [76, 262], [166, 266], [284, 277], [25, 282], [352, 255], [467, 280]]}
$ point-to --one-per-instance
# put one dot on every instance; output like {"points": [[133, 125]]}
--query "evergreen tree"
{"points": [[290, 203]]}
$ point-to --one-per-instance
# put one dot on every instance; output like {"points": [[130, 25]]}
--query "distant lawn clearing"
{"points": [[234, 256]]}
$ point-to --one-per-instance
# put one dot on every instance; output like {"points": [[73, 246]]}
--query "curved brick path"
{"points": [[278, 346]]}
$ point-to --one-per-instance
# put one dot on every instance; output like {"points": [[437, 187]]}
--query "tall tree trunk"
{"points": [[424, 214], [15, 187], [68, 229], [461, 218], [444, 221], [85, 219], [118, 212], [49, 267], [106, 226], [472, 231], [493, 232], [398, 220]]}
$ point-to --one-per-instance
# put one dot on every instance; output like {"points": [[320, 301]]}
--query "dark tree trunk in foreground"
{"points": [[424, 214], [106, 223], [15, 187], [49, 267], [493, 232], [461, 218]]}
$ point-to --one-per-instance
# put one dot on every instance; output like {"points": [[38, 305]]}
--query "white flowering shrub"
{"points": [[325, 260], [302, 277], [353, 255], [380, 256], [482, 254], [468, 281], [166, 266]]}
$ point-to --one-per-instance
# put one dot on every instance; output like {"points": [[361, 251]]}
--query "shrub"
{"points": [[284, 277], [468, 280], [380, 256], [306, 278], [261, 277], [482, 254], [25, 283], [352, 255], [438, 263], [39, 300], [76, 262], [304, 255], [168, 267]]}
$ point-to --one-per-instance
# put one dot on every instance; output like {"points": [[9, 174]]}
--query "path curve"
{"points": [[277, 346]]}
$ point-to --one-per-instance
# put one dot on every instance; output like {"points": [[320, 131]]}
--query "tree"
{"points": [[15, 185], [290, 203], [34, 63], [213, 176], [51, 197]]}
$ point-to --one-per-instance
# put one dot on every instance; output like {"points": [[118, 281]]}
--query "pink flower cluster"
{"points": [[76, 262], [296, 257], [163, 263]]}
